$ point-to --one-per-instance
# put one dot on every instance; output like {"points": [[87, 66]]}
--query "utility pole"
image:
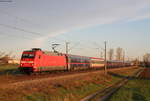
{"points": [[124, 58], [67, 43], [105, 57], [67, 49]]}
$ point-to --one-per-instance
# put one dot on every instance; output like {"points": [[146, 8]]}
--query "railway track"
{"points": [[106, 93], [24, 79], [5, 79]]}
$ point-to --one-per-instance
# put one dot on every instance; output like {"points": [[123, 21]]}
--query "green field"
{"points": [[134, 90]]}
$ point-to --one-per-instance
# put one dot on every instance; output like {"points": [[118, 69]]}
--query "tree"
{"points": [[119, 53], [2, 54], [111, 54], [4, 57], [146, 59]]}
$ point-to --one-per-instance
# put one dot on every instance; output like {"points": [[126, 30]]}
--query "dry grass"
{"points": [[66, 88]]}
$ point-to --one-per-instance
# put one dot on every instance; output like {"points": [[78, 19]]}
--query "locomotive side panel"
{"points": [[46, 62]]}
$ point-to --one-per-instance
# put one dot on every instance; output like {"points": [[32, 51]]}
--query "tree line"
{"points": [[5, 57], [146, 60], [119, 54]]}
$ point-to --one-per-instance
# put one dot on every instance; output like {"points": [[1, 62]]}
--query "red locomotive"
{"points": [[36, 60]]}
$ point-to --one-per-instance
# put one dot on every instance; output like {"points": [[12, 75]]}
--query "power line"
{"points": [[13, 36], [105, 57], [24, 30], [17, 18], [31, 32], [27, 31], [73, 47], [67, 47], [20, 29], [97, 45], [61, 40]]}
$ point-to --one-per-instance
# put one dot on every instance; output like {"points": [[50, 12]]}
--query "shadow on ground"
{"points": [[128, 77], [10, 72]]}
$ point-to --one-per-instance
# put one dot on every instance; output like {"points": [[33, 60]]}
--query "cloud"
{"points": [[139, 17], [38, 42], [54, 17], [73, 15]]}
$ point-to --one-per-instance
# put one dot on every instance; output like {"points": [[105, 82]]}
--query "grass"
{"points": [[76, 89], [134, 90], [64, 94], [116, 76], [8, 69], [54, 92], [70, 89]]}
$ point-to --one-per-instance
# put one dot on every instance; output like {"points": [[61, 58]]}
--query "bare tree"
{"points": [[119, 53], [111, 54], [4, 57], [146, 59], [2, 54]]}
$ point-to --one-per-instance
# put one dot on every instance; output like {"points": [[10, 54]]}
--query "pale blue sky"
{"points": [[86, 24]]}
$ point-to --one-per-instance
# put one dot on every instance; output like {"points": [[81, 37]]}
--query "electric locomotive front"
{"points": [[36, 60], [27, 61]]}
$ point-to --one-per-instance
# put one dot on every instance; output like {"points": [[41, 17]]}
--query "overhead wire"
{"points": [[27, 31], [6, 35], [37, 33], [17, 18], [20, 29]]}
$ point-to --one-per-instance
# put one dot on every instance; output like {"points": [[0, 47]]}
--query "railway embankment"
{"points": [[145, 74], [137, 89], [72, 87], [106, 93]]}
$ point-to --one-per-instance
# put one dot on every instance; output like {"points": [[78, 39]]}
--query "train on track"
{"points": [[36, 60]]}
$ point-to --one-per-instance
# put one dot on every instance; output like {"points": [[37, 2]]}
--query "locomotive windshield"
{"points": [[28, 55]]}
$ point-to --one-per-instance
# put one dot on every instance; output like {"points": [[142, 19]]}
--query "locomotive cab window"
{"points": [[28, 56]]}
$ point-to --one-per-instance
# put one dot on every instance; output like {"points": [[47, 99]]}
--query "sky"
{"points": [[85, 24]]}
